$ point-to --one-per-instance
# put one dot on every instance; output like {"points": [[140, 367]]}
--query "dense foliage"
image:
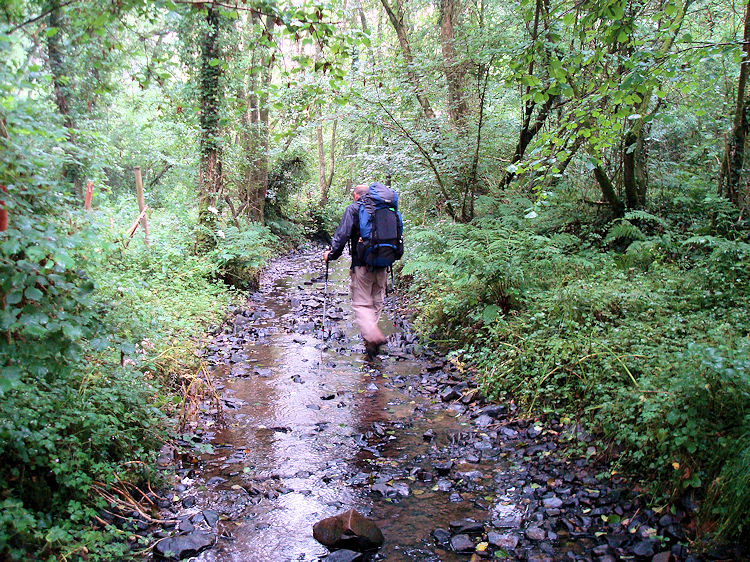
{"points": [[572, 178], [96, 333], [636, 327]]}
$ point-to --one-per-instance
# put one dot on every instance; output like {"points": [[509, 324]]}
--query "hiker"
{"points": [[368, 271]]}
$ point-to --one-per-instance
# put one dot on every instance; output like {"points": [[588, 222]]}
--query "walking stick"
{"points": [[325, 301]]}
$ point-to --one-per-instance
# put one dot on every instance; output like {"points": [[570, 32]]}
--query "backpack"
{"points": [[380, 228]]}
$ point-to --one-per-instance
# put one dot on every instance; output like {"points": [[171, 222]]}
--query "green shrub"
{"points": [[638, 328]]}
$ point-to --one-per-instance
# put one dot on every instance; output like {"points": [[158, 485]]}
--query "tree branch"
{"points": [[41, 16]]}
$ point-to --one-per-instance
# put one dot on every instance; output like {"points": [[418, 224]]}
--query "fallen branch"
{"points": [[134, 226]]}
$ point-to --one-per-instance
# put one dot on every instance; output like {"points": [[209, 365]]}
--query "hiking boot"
{"points": [[373, 348]]}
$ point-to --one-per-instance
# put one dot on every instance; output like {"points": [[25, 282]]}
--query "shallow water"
{"points": [[294, 448]]}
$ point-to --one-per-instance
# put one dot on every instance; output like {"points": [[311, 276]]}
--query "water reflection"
{"points": [[298, 437]]}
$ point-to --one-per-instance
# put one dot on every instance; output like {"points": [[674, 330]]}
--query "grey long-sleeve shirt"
{"points": [[348, 230]]}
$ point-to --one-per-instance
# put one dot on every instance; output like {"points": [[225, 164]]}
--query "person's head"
{"points": [[359, 191]]}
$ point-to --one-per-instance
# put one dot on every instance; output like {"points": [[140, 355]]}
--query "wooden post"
{"points": [[3, 212], [141, 202], [89, 195]]}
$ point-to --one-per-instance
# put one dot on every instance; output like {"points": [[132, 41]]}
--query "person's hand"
{"points": [[325, 255]]}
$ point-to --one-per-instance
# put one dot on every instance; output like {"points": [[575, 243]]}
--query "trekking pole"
{"points": [[325, 299]]}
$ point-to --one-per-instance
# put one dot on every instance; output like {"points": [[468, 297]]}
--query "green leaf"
{"points": [[34, 294], [14, 297], [490, 313], [9, 377]]}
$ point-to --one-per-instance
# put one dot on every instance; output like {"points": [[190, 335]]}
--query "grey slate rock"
{"points": [[185, 545], [462, 543]]}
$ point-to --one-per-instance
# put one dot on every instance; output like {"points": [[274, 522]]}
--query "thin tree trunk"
{"points": [[454, 71], [633, 156], [528, 130], [329, 182], [322, 185], [734, 154], [527, 134], [397, 21], [210, 173], [256, 130], [71, 171]]}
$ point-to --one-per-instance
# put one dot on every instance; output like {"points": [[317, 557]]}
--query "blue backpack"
{"points": [[380, 227]]}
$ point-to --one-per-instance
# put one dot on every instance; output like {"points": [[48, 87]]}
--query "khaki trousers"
{"points": [[368, 290]]}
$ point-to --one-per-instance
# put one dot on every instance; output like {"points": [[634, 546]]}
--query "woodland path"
{"points": [[309, 428]]}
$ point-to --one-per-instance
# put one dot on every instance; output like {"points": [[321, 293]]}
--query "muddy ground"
{"points": [[306, 427]]}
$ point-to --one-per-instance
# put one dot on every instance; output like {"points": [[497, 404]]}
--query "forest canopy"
{"points": [[572, 178]]}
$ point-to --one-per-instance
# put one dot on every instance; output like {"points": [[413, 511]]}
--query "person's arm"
{"points": [[343, 232]]}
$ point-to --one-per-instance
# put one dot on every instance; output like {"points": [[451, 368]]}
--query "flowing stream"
{"points": [[307, 428]]}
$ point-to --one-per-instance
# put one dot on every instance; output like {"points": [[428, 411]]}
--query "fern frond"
{"points": [[625, 230]]}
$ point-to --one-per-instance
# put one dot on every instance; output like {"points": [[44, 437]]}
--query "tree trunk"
{"points": [[628, 170], [321, 164], [608, 191], [527, 134], [256, 131], [634, 155], [734, 154], [210, 173], [528, 130], [71, 171], [329, 182], [454, 71], [397, 21]]}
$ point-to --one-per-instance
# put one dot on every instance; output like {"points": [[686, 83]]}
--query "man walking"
{"points": [[367, 288]]}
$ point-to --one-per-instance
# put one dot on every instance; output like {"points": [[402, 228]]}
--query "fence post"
{"points": [[3, 211], [89, 195], [141, 202]]}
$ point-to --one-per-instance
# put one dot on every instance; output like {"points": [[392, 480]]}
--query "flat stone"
{"points": [[184, 546], [495, 410], [553, 502], [665, 556], [484, 420], [449, 394], [535, 534], [466, 527], [210, 516], [348, 530], [644, 549], [442, 467], [462, 543], [442, 536], [500, 540]]}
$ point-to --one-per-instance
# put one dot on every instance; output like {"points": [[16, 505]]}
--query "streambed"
{"points": [[307, 428]]}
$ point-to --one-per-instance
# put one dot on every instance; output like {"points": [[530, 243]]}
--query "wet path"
{"points": [[308, 429], [311, 428]]}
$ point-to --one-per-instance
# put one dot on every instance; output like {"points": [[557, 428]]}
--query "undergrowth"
{"points": [[98, 338], [639, 327]]}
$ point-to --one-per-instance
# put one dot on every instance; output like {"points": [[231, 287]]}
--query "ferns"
{"points": [[643, 216], [624, 230]]}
